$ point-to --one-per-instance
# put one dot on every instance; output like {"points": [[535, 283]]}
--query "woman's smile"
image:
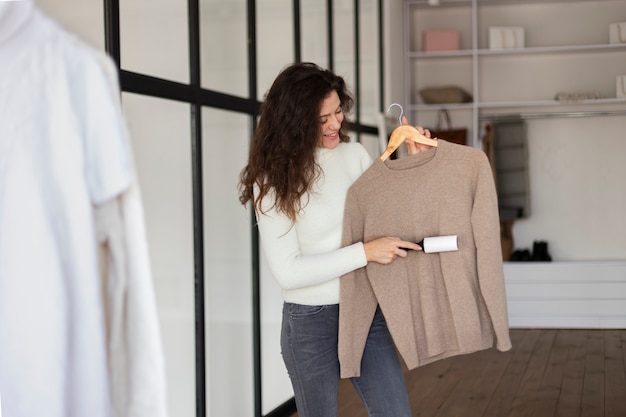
{"points": [[331, 117]]}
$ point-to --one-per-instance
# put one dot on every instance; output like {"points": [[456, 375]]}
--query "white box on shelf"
{"points": [[617, 32], [621, 86], [506, 37]]}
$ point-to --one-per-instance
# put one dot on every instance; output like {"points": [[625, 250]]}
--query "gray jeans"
{"points": [[309, 349]]}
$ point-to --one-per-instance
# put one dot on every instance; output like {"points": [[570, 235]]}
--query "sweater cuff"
{"points": [[504, 345], [360, 251]]}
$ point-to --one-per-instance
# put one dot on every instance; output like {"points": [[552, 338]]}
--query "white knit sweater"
{"points": [[306, 258]]}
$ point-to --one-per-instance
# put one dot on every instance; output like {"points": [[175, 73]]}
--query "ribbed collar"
{"points": [[413, 164]]}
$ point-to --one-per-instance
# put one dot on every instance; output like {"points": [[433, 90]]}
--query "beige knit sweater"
{"points": [[436, 305]]}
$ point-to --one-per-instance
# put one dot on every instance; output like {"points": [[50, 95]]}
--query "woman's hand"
{"points": [[385, 250], [413, 147]]}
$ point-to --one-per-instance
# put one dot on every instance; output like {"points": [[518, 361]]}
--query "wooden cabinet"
{"points": [[587, 295]]}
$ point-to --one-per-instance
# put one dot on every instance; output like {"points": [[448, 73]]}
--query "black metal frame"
{"points": [[198, 97]]}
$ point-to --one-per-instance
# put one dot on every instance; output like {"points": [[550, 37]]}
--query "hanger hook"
{"points": [[401, 111]]}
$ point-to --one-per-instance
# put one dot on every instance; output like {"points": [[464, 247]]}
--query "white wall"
{"points": [[577, 189]]}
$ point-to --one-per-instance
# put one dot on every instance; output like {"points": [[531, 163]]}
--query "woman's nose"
{"points": [[335, 122]]}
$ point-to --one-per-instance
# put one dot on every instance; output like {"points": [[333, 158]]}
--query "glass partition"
{"points": [[154, 38], [314, 30], [160, 135], [344, 47], [224, 46], [154, 41], [368, 62], [275, 51], [275, 44], [228, 266]]}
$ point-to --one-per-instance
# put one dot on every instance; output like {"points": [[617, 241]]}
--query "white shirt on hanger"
{"points": [[72, 341]]}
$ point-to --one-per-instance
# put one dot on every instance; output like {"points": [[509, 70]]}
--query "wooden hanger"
{"points": [[400, 134]]}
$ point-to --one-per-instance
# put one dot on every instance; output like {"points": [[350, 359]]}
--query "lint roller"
{"points": [[439, 244]]}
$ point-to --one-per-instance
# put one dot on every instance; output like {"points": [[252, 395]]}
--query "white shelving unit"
{"points": [[567, 50]]}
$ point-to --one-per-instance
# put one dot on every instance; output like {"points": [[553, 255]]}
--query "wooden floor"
{"points": [[548, 373]]}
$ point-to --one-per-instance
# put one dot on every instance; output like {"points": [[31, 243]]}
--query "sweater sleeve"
{"points": [[290, 267], [486, 229]]}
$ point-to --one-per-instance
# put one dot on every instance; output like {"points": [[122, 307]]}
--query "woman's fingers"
{"points": [[404, 244], [385, 250]]}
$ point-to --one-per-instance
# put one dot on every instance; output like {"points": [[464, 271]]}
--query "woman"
{"points": [[300, 167]]}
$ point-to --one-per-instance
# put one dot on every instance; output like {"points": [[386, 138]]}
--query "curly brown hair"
{"points": [[282, 154]]}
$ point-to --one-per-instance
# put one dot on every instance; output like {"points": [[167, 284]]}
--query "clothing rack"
{"points": [[527, 116]]}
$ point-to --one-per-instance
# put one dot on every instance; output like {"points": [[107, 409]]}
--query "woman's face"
{"points": [[331, 117]]}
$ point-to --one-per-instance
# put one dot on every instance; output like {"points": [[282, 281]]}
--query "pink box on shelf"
{"points": [[440, 40]]}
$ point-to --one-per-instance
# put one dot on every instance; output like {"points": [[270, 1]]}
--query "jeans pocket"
{"points": [[301, 311]]}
